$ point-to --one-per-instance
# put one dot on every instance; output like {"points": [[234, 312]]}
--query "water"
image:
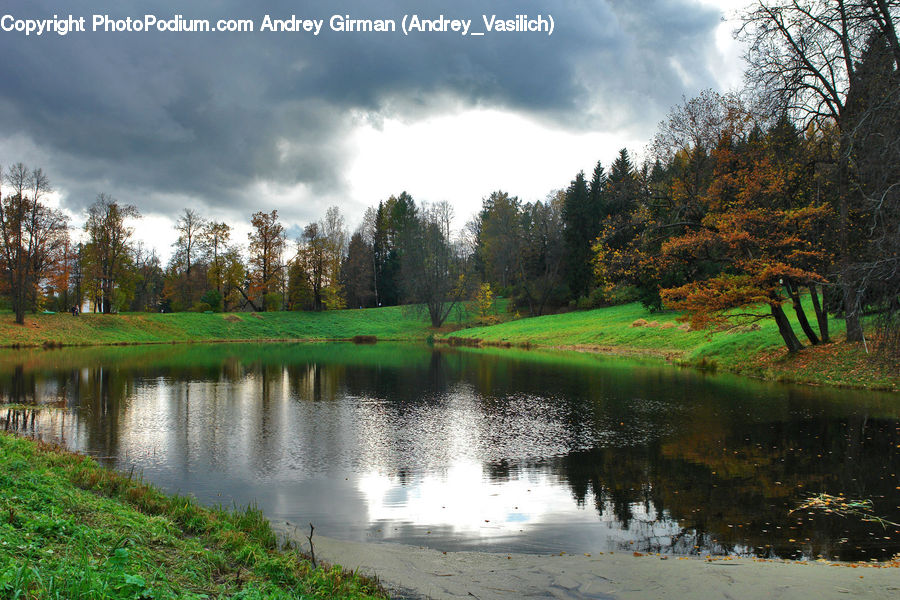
{"points": [[495, 450]]}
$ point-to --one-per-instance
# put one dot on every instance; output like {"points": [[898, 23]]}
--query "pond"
{"points": [[493, 450]]}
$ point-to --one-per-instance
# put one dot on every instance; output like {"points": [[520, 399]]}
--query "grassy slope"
{"points": [[750, 350], [755, 351], [72, 529], [389, 323]]}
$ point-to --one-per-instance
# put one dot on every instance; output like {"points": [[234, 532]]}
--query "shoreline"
{"points": [[418, 572], [608, 331]]}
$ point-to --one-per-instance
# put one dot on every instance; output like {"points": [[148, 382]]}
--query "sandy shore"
{"points": [[414, 572]]}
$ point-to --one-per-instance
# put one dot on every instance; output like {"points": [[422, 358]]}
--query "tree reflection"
{"points": [[671, 460]]}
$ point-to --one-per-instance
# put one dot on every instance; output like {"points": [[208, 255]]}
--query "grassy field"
{"points": [[388, 323], [755, 350], [72, 529]]}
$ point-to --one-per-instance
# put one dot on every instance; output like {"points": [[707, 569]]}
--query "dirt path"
{"points": [[413, 572]]}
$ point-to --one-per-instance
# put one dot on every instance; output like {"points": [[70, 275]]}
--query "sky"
{"points": [[230, 123]]}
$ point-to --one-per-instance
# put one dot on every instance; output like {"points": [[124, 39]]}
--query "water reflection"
{"points": [[499, 450]]}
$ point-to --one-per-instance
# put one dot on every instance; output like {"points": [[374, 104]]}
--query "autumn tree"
{"points": [[805, 56], [756, 239], [108, 249], [266, 250], [214, 238], [31, 235]]}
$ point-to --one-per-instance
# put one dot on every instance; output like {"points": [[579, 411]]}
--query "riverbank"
{"points": [[70, 528], [754, 350], [393, 323], [416, 572]]}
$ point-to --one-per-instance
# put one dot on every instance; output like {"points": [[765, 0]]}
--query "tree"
{"points": [[190, 227], [357, 273], [312, 265], [758, 238], [395, 225], [499, 241], [266, 249], [31, 234], [541, 258], [108, 251], [335, 234], [433, 272], [804, 55], [149, 280], [578, 237], [873, 109], [214, 238]]}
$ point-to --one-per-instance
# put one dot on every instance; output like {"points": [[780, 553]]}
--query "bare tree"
{"points": [[31, 235]]}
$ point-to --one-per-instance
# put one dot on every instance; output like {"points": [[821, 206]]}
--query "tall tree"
{"points": [[578, 237], [433, 272], [541, 258], [357, 273], [499, 241], [804, 54], [266, 250], [758, 238], [190, 227], [31, 235], [214, 238], [108, 248]]}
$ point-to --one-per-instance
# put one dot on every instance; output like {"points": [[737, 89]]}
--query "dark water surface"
{"points": [[478, 449]]}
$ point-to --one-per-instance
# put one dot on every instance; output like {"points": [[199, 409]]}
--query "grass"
{"points": [[388, 323], [756, 350], [70, 528]]}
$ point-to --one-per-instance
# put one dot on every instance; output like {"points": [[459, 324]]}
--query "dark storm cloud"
{"points": [[163, 117]]}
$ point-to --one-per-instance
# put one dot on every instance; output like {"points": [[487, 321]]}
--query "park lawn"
{"points": [[752, 349], [70, 528], [396, 323]]}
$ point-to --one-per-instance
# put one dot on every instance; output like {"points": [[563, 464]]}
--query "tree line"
{"points": [[745, 203]]}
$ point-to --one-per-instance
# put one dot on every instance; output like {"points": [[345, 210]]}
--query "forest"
{"points": [[745, 205]]}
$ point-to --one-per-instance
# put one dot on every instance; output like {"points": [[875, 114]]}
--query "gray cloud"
{"points": [[158, 118]]}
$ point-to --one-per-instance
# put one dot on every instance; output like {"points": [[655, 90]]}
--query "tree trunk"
{"points": [[851, 308], [801, 314], [821, 314], [851, 313], [784, 328]]}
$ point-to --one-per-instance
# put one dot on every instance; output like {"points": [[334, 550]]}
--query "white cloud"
{"points": [[463, 157]]}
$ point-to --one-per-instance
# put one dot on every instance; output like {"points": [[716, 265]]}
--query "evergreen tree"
{"points": [[578, 237]]}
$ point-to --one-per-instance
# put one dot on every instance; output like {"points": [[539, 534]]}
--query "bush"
{"points": [[273, 301], [213, 300]]}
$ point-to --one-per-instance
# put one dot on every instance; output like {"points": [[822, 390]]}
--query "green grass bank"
{"points": [[70, 528], [396, 323], [756, 350]]}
